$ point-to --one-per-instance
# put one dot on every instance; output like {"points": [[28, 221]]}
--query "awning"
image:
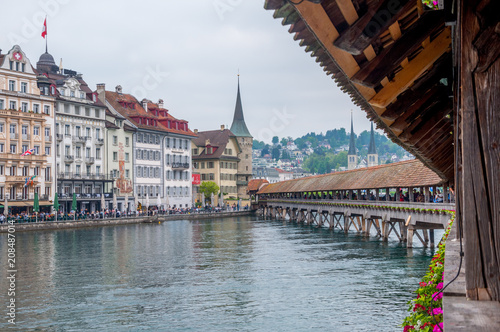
{"points": [[28, 203]]}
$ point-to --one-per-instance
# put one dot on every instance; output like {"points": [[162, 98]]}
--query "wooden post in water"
{"points": [[431, 235]]}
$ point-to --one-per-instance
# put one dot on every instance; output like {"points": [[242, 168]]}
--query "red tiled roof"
{"points": [[411, 173], [256, 184], [116, 100]]}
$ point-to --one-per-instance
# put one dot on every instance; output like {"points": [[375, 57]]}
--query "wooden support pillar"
{"points": [[411, 197], [431, 235], [385, 231], [426, 194], [377, 194], [347, 221], [320, 218], [409, 242], [397, 194], [426, 237]]}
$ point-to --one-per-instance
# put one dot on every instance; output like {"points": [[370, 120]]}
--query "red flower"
{"points": [[408, 328]]}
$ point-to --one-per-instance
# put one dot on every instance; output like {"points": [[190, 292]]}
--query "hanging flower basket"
{"points": [[433, 4]]}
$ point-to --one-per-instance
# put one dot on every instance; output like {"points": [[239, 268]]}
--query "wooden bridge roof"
{"points": [[393, 59], [404, 174]]}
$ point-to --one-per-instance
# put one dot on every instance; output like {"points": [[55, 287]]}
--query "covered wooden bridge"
{"points": [[405, 198], [430, 80]]}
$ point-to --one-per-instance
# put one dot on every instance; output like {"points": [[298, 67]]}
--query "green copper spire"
{"points": [[238, 127]]}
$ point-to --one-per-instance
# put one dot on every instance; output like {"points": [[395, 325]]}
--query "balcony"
{"points": [[99, 141], [18, 157], [67, 196], [79, 139], [26, 137], [241, 182], [48, 138], [67, 135], [59, 137], [14, 136], [69, 159], [180, 165], [89, 160], [15, 113], [86, 176]]}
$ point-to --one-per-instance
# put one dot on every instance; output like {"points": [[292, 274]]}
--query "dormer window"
{"points": [[94, 97], [72, 93], [82, 95]]}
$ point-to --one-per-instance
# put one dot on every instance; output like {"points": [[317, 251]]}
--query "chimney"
{"points": [[118, 89], [196, 131], [101, 89], [160, 103], [221, 127], [145, 104]]}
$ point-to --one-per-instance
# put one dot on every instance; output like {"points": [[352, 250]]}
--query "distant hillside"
{"points": [[329, 149]]}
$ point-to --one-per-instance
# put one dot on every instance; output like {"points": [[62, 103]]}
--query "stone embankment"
{"points": [[52, 225]]}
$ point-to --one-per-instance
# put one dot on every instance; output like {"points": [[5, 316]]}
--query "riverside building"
{"points": [[26, 123], [79, 139], [162, 150]]}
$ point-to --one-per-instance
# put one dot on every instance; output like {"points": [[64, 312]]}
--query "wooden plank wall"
{"points": [[478, 30]]}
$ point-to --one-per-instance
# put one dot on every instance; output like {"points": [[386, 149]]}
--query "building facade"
{"points": [[79, 139], [162, 150], [26, 124], [215, 158], [119, 157]]}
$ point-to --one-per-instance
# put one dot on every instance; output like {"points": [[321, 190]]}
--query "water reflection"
{"points": [[216, 275]]}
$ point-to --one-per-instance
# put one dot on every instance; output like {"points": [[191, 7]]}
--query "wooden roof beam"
{"points": [[404, 78], [324, 31], [368, 28], [372, 73]]}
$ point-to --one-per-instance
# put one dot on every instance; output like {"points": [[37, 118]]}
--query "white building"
{"points": [[162, 151]]}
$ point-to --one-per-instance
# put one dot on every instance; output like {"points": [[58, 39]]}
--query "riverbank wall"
{"points": [[53, 225]]}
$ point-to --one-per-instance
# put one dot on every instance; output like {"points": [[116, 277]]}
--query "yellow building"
{"points": [[215, 158], [26, 123]]}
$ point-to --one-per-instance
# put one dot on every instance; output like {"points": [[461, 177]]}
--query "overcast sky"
{"points": [[188, 53]]}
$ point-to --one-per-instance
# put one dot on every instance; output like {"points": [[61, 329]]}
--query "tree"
{"points": [[275, 140], [258, 144], [284, 141], [275, 154], [265, 150], [208, 188]]}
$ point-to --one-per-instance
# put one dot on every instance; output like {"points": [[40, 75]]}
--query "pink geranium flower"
{"points": [[437, 311], [437, 296], [439, 286], [438, 328]]}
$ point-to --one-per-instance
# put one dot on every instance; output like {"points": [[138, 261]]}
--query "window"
{"points": [[2, 147], [24, 87], [97, 170], [67, 130], [210, 164], [115, 140], [82, 95], [127, 173], [12, 85], [77, 130], [47, 131], [12, 105], [97, 133], [127, 158], [26, 171], [98, 153], [89, 170], [97, 113], [87, 132], [24, 107], [1, 104], [36, 108], [87, 152], [168, 142], [72, 94], [195, 152], [47, 150], [115, 156], [78, 152], [67, 150], [37, 149], [36, 131], [127, 143], [13, 148], [77, 170]]}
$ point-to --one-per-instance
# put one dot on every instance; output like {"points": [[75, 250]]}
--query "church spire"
{"points": [[238, 127], [352, 145], [371, 148]]}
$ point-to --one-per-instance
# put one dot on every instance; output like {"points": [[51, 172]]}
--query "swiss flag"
{"points": [[44, 31]]}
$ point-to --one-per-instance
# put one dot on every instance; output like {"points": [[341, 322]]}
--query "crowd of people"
{"points": [[111, 213]]}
